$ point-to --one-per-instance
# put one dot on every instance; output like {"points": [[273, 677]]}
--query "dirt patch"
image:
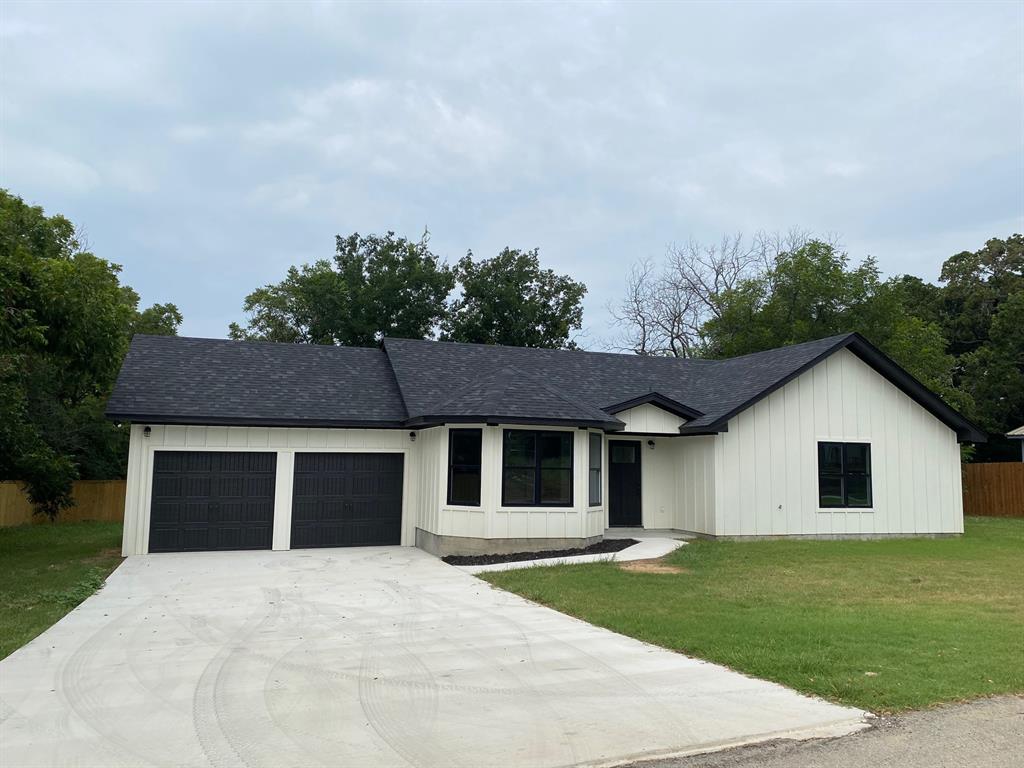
{"points": [[103, 555], [651, 566], [602, 547]]}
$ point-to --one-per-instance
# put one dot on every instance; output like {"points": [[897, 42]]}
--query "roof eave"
{"points": [[435, 420], [250, 421]]}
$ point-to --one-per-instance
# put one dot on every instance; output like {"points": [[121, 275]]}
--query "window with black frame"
{"points": [[464, 452], [536, 468], [844, 475], [594, 472]]}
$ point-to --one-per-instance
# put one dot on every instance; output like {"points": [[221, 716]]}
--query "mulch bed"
{"points": [[602, 547]]}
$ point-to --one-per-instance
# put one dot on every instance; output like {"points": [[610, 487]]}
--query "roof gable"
{"points": [[658, 400], [816, 352]]}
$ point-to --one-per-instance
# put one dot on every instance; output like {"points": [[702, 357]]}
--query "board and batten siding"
{"points": [[491, 519], [695, 484], [285, 442], [766, 464], [649, 419]]}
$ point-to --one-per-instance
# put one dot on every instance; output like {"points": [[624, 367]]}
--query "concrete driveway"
{"points": [[360, 657]]}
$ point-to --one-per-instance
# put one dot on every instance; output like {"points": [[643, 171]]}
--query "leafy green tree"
{"points": [[815, 292], [994, 373], [309, 306], [64, 330], [510, 300], [977, 283], [157, 320], [377, 285], [980, 310]]}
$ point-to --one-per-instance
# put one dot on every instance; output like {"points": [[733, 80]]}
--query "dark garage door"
{"points": [[347, 499], [206, 500]]}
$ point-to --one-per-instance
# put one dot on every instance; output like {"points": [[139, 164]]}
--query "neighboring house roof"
{"points": [[1017, 434], [419, 383]]}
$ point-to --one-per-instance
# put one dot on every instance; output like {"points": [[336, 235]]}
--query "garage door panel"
{"points": [[208, 500], [347, 499]]}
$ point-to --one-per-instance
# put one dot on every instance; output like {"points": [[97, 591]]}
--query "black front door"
{"points": [[624, 483], [347, 499]]}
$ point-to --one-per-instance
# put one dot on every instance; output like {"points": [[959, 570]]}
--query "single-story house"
{"points": [[463, 448]]}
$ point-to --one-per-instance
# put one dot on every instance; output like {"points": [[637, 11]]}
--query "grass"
{"points": [[884, 625], [46, 570]]}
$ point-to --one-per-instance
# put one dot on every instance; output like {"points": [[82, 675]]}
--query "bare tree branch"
{"points": [[666, 307]]}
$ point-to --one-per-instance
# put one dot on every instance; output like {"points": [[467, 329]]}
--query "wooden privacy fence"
{"points": [[94, 500], [994, 490]]}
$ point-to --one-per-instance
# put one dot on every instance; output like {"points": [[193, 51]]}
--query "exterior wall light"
{"points": [[412, 437], [650, 444], [147, 431]]}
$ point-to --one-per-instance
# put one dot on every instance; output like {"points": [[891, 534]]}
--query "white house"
{"points": [[461, 448]]}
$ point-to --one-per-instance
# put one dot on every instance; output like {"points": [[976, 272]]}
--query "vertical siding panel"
{"points": [[216, 437], [793, 512], [822, 428], [807, 459], [908, 478], [778, 506]]}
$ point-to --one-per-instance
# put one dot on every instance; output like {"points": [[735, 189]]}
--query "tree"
{"points": [[815, 292], [666, 308], [157, 320], [63, 334], [376, 286], [510, 300], [977, 283], [982, 311], [994, 372]]}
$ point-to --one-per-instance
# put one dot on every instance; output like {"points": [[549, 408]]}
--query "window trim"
{"points": [[844, 474], [537, 469], [479, 467], [591, 468]]}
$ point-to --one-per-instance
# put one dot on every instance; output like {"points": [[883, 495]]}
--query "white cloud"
{"points": [[11, 29], [846, 169], [597, 132], [190, 132], [48, 168]]}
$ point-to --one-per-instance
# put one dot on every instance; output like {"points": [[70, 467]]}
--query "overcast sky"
{"points": [[207, 147]]}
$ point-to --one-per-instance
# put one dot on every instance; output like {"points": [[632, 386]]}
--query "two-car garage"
{"points": [[225, 500]]}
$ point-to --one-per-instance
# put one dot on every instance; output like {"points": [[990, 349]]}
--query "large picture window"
{"points": [[844, 475], [464, 447], [536, 468], [594, 472]]}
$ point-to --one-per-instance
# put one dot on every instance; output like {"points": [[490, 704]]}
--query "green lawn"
{"points": [[884, 625], [46, 570]]}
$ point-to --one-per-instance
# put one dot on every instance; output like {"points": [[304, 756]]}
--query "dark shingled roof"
{"points": [[510, 395], [417, 383], [176, 380]]}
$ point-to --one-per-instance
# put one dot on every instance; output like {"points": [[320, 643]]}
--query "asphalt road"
{"points": [[982, 734]]}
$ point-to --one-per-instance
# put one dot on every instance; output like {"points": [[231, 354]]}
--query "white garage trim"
{"points": [[285, 442]]}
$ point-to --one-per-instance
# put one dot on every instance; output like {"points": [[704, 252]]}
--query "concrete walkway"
{"points": [[360, 657], [650, 548]]}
